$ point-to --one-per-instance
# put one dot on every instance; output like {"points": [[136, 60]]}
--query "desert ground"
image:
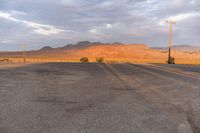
{"points": [[99, 98], [137, 53]]}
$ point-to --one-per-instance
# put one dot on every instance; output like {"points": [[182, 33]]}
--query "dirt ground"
{"points": [[99, 98]]}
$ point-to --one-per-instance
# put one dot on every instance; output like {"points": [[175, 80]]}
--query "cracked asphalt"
{"points": [[99, 98]]}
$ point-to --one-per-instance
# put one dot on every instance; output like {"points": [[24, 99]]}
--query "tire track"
{"points": [[175, 71]]}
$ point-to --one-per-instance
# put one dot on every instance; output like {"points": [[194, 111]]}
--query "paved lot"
{"points": [[99, 98]]}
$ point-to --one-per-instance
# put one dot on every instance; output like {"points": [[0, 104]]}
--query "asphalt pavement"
{"points": [[99, 98]]}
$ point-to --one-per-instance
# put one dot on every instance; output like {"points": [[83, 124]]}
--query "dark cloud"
{"points": [[58, 22]]}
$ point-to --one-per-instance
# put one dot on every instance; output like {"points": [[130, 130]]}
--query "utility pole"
{"points": [[24, 52], [170, 38]]}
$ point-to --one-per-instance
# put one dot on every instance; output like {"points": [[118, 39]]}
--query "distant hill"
{"points": [[110, 51], [80, 45], [114, 50], [46, 48], [181, 48], [87, 44]]}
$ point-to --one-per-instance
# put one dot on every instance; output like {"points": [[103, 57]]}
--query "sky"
{"points": [[38, 23]]}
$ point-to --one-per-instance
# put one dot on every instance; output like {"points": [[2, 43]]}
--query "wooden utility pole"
{"points": [[170, 37], [24, 52]]}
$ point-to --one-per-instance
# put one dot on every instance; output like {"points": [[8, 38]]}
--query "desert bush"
{"points": [[84, 59], [2, 60], [100, 59], [171, 60]]}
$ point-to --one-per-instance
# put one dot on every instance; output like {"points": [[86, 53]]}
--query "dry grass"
{"points": [[110, 53], [41, 59], [44, 59]]}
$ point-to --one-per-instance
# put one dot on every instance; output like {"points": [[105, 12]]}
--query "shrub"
{"points": [[100, 59], [171, 60], [84, 59], [2, 60]]}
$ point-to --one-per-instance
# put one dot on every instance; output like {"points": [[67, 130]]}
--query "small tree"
{"points": [[84, 59], [100, 59]]}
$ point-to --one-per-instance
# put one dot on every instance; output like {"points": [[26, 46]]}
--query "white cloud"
{"points": [[179, 17], [106, 3], [73, 3], [109, 25], [42, 29], [8, 16], [179, 3], [101, 28], [6, 41], [183, 16], [108, 20], [93, 30], [18, 13]]}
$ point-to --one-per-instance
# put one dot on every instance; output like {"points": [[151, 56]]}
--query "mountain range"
{"points": [[86, 44], [79, 45], [110, 51], [182, 48]]}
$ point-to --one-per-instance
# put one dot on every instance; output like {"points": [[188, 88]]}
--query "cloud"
{"points": [[184, 16], [102, 28], [43, 29], [109, 25], [93, 30], [8, 16], [58, 22], [6, 41], [179, 17], [38, 28]]}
